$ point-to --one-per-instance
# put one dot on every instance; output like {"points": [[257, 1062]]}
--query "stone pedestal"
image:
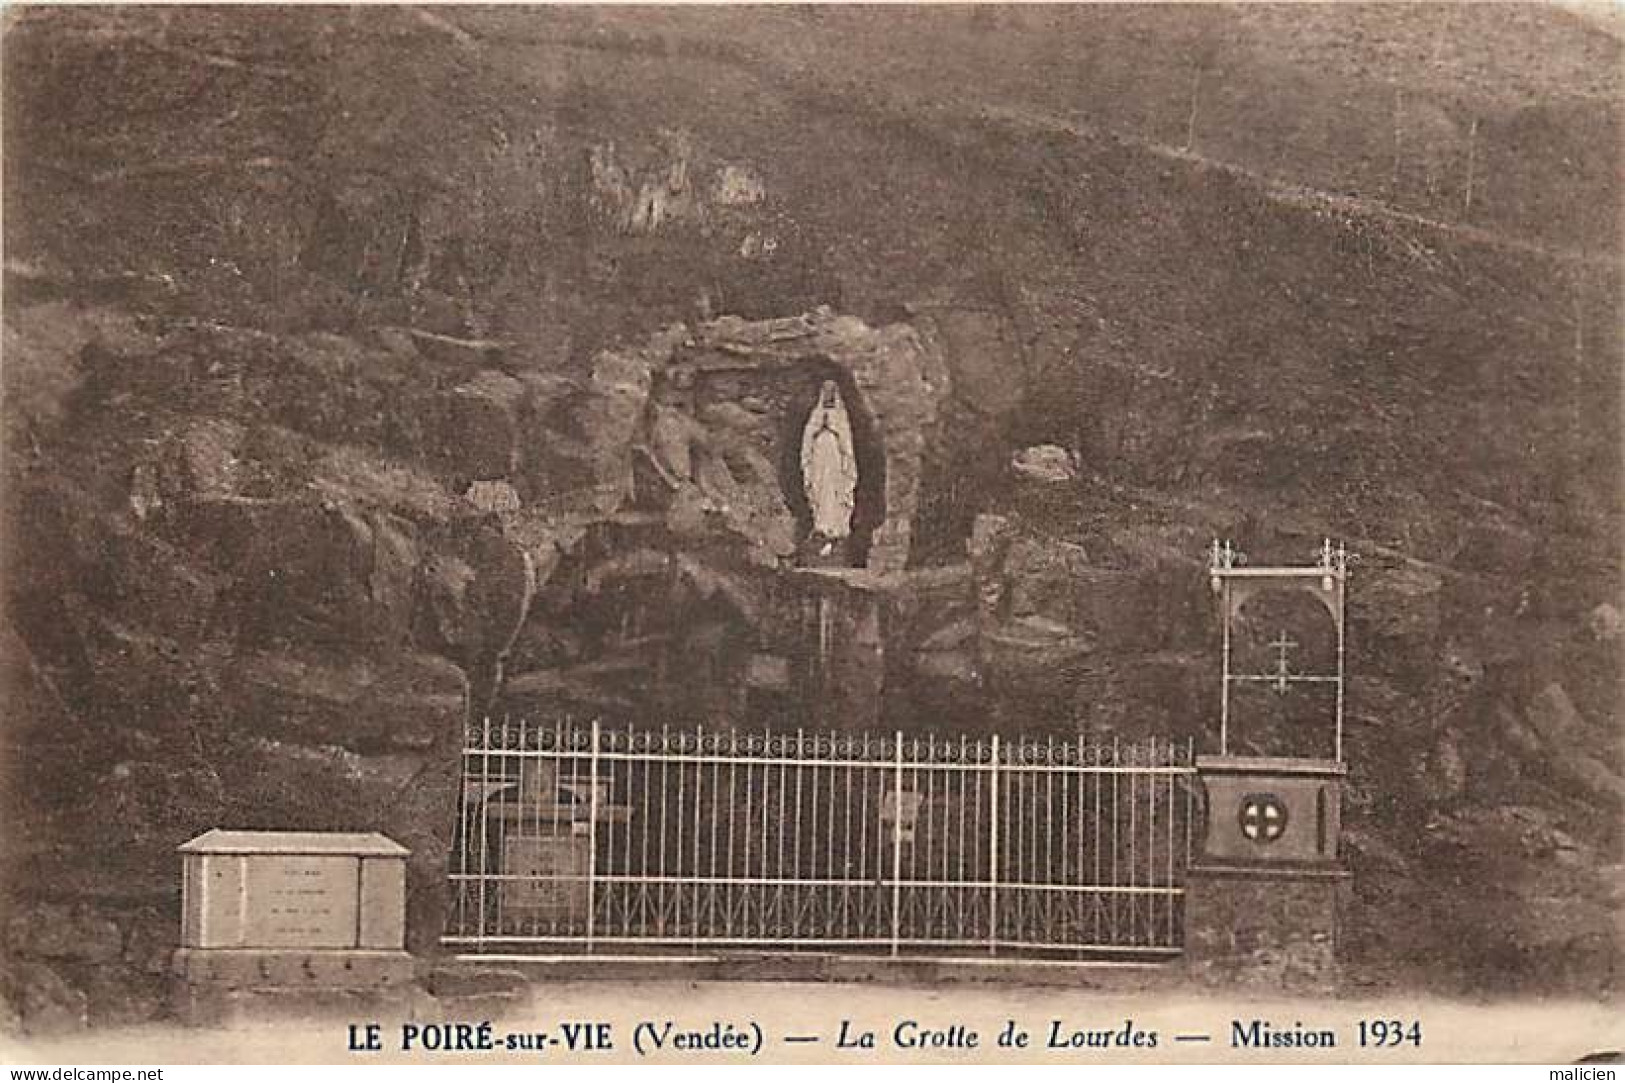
{"points": [[1264, 902], [1266, 929]]}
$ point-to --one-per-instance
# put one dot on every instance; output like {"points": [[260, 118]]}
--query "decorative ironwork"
{"points": [[1283, 670], [1262, 817], [1326, 580], [1222, 556], [1333, 560], [586, 838]]}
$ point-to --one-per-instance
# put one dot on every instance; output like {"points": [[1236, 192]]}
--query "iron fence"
{"points": [[592, 839]]}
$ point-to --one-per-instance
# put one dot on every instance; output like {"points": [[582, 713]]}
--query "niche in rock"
{"points": [[832, 467], [783, 453]]}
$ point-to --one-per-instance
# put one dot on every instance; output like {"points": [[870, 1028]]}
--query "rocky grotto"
{"points": [[371, 373]]}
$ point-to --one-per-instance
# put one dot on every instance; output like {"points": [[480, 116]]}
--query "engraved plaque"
{"points": [[552, 873], [302, 901]]}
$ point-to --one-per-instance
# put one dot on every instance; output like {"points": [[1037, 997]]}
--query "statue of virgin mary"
{"points": [[829, 469]]}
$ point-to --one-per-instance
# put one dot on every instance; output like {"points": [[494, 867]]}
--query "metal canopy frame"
{"points": [[1326, 581]]}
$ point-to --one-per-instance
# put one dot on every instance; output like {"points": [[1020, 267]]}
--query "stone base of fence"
{"points": [[1266, 929]]}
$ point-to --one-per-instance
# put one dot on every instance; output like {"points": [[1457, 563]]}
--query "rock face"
{"points": [[55, 932], [670, 481], [398, 701], [68, 966], [1045, 463], [290, 625], [714, 414], [44, 1003], [1575, 750]]}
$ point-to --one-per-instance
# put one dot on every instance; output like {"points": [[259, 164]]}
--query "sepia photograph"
{"points": [[1072, 534]]}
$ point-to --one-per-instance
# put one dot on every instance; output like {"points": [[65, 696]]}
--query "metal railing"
{"points": [[592, 839]]}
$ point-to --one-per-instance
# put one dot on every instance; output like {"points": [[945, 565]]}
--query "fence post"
{"points": [[485, 822], [592, 835], [993, 854], [897, 848]]}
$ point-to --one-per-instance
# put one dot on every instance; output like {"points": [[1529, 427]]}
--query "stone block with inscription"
{"points": [[293, 909]]}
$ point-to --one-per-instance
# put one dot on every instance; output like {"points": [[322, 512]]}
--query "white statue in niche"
{"points": [[829, 469]]}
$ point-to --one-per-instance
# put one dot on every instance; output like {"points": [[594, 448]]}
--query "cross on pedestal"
{"points": [[1282, 670]]}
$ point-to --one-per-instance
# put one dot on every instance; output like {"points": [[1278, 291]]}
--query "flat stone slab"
{"points": [[353, 844]]}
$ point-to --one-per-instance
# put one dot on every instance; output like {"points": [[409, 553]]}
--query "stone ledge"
{"points": [[261, 969], [1271, 765], [1283, 871]]}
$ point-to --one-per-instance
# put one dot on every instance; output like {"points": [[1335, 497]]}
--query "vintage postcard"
{"points": [[971, 533]]}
